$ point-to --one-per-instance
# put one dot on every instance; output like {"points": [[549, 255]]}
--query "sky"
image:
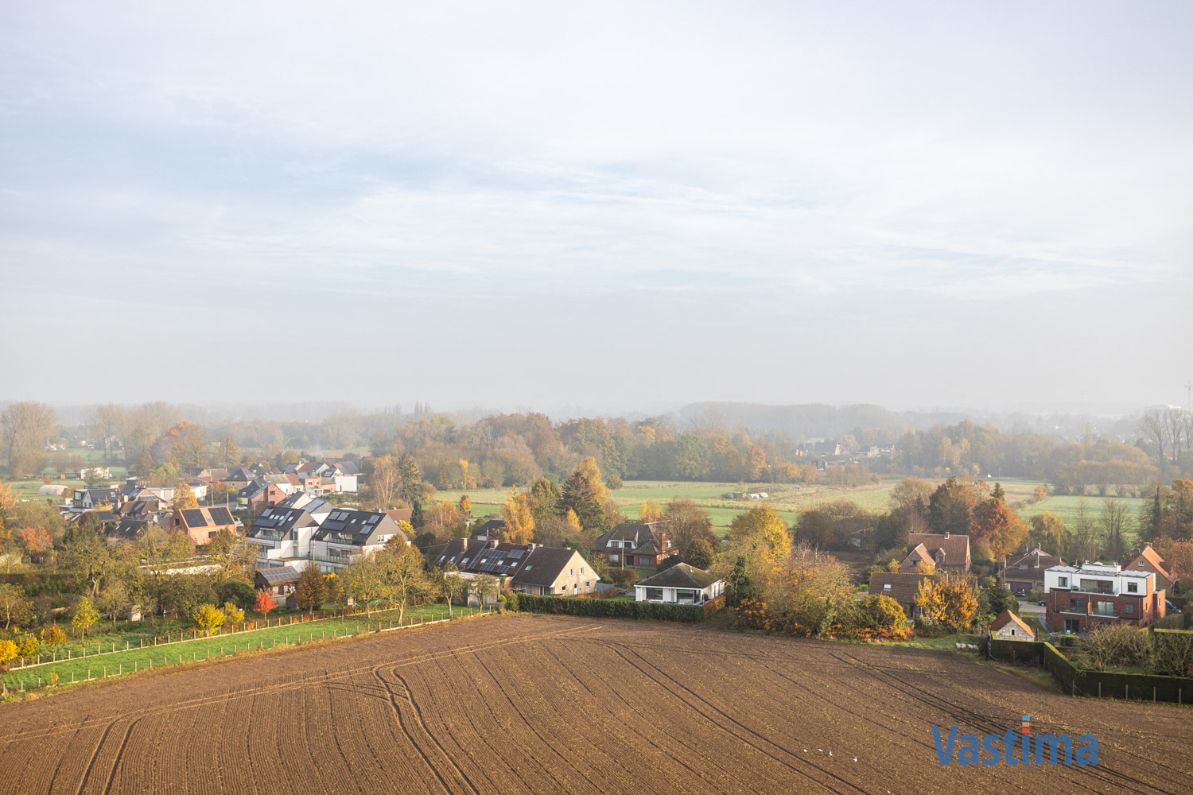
{"points": [[613, 206]]}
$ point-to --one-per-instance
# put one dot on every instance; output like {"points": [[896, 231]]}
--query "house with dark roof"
{"points": [[949, 551], [258, 494], [634, 544], [136, 517], [203, 524], [901, 586], [89, 499], [1026, 572], [527, 568], [1009, 626], [679, 584], [347, 535], [278, 580], [1148, 559], [283, 537], [491, 528]]}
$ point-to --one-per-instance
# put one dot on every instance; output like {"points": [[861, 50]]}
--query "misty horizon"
{"points": [[610, 211]]}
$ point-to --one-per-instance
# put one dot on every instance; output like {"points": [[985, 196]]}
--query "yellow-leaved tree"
{"points": [[519, 520]]}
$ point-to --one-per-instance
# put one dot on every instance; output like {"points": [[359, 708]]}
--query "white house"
{"points": [[345, 536], [679, 584]]}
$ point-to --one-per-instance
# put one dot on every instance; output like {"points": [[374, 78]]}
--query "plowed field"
{"points": [[567, 705]]}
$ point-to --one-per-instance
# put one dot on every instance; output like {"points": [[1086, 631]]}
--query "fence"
{"points": [[1084, 682], [183, 636], [149, 657]]}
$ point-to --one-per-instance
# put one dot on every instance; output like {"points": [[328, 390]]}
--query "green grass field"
{"points": [[788, 499], [1068, 507], [122, 663]]}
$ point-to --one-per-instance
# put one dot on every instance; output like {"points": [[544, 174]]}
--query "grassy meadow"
{"points": [[790, 499]]}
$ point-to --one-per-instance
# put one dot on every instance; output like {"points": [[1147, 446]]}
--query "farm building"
{"points": [[1009, 626], [679, 584]]}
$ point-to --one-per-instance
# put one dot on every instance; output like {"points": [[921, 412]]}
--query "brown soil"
{"points": [[543, 704]]}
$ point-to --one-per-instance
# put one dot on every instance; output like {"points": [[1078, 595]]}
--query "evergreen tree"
{"points": [[582, 494]]}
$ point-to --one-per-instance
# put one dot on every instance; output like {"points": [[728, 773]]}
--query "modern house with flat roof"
{"points": [[1080, 598]]}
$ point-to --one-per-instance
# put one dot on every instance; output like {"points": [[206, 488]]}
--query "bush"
{"points": [[53, 635], [1172, 653], [623, 577], [610, 608], [239, 591], [1115, 645]]}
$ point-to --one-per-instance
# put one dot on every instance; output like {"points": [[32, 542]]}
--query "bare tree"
{"points": [[24, 429]]}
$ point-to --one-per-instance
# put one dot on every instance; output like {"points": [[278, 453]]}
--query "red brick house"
{"points": [[1079, 599], [203, 524], [949, 551], [634, 544], [1148, 559]]}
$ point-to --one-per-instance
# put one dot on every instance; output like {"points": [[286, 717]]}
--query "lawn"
{"points": [[27, 489], [138, 659]]}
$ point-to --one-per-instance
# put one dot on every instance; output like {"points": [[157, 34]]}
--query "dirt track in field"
{"points": [[555, 705]]}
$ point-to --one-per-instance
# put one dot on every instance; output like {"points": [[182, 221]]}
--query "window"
{"points": [[654, 594], [571, 572], [886, 587], [1129, 609], [1132, 587], [1062, 582]]}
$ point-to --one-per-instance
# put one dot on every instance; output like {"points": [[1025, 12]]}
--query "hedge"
{"points": [[1015, 651], [1106, 684], [611, 608]]}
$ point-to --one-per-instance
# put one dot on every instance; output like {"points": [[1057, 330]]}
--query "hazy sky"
{"points": [[603, 205]]}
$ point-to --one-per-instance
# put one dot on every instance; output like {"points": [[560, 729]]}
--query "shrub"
{"points": [[208, 618], [8, 651], [1115, 645], [53, 635], [28, 645], [1172, 653], [623, 577], [239, 591]]}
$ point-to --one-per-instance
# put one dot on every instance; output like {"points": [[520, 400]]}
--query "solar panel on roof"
{"points": [[194, 517]]}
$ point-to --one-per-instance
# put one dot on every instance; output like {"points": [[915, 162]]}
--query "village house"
{"points": [[1077, 599], [89, 499], [635, 544], [258, 494], [204, 524], [949, 551], [1009, 626], [901, 586], [283, 537], [347, 535], [1148, 559], [527, 568], [679, 584], [1026, 572]]}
